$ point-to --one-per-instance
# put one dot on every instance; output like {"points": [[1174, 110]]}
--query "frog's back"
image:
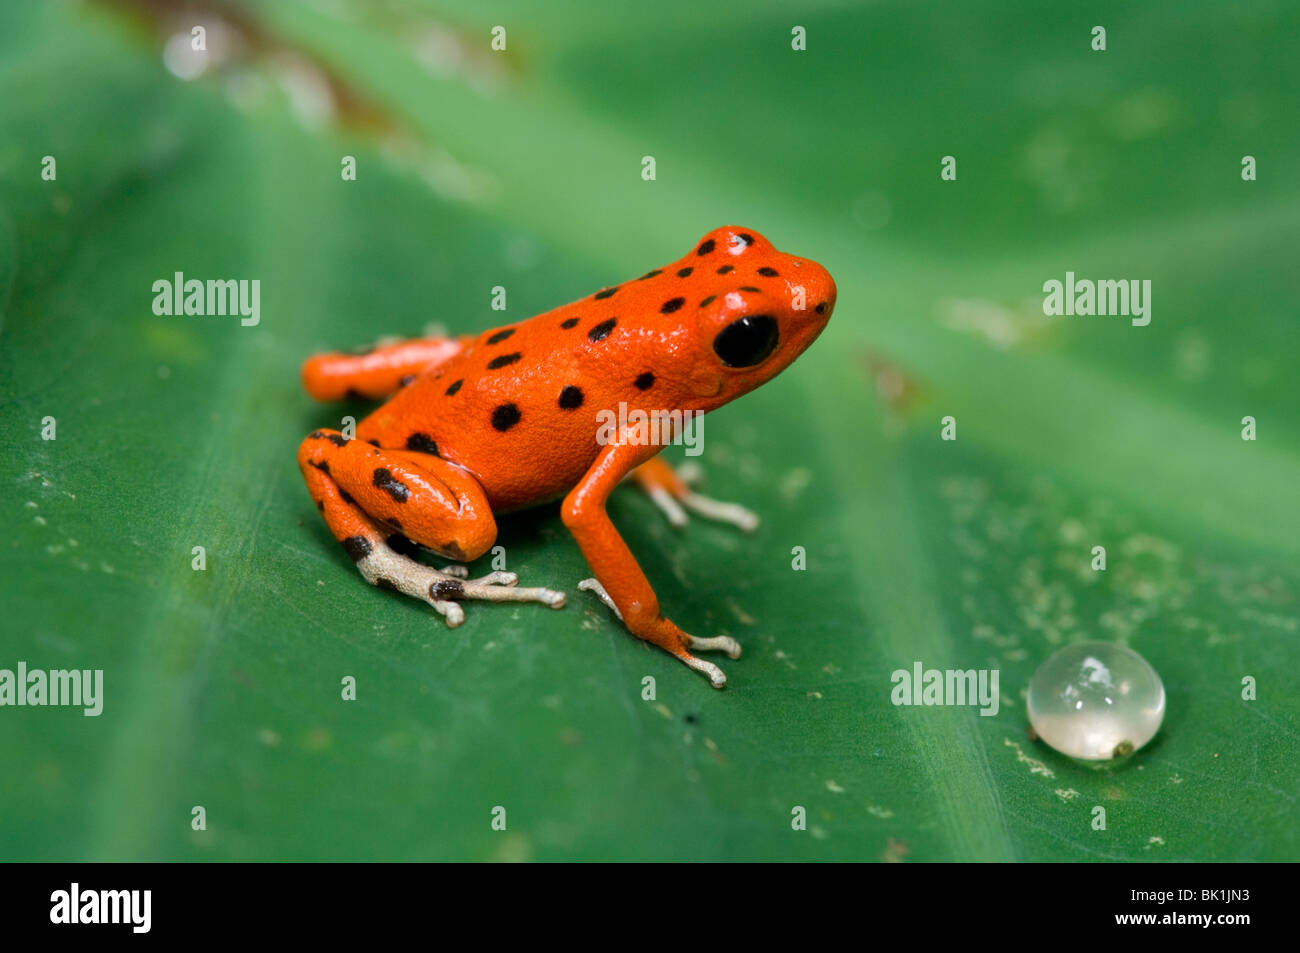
{"points": [[519, 406]]}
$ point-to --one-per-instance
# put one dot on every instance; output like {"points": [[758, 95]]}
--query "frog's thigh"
{"points": [[423, 497]]}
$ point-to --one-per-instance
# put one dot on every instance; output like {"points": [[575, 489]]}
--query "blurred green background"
{"points": [[522, 168]]}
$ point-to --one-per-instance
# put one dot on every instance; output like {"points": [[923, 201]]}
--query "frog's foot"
{"points": [[593, 585], [399, 543], [718, 643], [444, 589], [671, 491], [721, 643]]}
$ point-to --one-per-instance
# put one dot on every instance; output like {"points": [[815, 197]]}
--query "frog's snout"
{"points": [[819, 288]]}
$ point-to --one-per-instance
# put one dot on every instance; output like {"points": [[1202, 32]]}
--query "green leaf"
{"points": [[222, 688]]}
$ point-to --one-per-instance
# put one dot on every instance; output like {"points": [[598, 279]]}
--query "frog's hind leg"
{"points": [[377, 372], [670, 490], [378, 503]]}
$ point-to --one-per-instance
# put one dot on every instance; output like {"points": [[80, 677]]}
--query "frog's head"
{"points": [[763, 309]]}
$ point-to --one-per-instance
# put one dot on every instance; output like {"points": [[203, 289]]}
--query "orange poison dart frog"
{"points": [[478, 426]]}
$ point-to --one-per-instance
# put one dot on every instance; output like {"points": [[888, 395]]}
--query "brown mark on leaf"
{"points": [[895, 851], [896, 387]]}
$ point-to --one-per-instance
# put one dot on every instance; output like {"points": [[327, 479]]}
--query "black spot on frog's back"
{"points": [[601, 331], [505, 416]]}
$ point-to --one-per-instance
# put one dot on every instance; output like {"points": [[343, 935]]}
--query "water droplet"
{"points": [[1096, 701]]}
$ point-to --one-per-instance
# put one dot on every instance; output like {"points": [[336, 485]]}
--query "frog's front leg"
{"points": [[670, 490], [377, 502], [619, 580]]}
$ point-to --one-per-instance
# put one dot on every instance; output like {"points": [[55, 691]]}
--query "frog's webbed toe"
{"points": [[443, 589], [721, 511], [716, 676], [504, 587], [670, 490], [593, 585], [718, 643]]}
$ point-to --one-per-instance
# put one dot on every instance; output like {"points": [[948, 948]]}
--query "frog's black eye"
{"points": [[746, 341]]}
